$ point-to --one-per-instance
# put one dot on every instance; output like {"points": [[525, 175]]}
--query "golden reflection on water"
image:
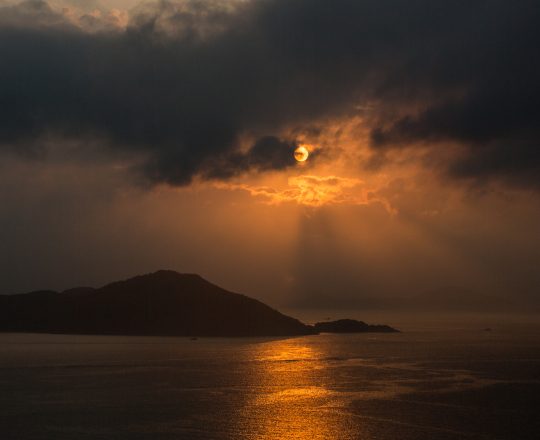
{"points": [[294, 398]]}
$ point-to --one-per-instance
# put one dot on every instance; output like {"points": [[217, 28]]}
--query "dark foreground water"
{"points": [[419, 385]]}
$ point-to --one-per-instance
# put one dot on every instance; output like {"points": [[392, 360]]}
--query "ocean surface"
{"points": [[455, 384]]}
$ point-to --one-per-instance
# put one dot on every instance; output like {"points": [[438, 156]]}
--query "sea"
{"points": [[422, 384]]}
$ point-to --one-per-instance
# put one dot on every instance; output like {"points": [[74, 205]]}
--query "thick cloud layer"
{"points": [[185, 84]]}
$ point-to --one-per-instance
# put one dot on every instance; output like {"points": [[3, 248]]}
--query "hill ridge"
{"points": [[160, 303], [164, 302]]}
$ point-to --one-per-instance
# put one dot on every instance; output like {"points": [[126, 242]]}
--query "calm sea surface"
{"points": [[460, 384]]}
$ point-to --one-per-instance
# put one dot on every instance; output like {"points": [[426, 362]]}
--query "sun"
{"points": [[301, 154]]}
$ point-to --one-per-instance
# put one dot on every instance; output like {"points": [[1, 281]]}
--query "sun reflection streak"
{"points": [[295, 400]]}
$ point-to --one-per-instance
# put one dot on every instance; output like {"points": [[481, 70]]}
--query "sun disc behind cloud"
{"points": [[301, 154]]}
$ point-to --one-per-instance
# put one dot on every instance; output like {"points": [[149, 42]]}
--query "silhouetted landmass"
{"points": [[161, 303], [164, 303], [351, 326]]}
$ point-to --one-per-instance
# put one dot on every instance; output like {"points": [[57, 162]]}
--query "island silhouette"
{"points": [[164, 303]]}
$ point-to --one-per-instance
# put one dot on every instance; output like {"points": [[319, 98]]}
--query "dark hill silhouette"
{"points": [[351, 326], [161, 303]]}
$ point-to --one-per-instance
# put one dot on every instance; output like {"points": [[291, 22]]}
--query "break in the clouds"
{"points": [[211, 89]]}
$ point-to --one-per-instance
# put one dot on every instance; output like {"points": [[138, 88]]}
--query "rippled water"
{"points": [[418, 385]]}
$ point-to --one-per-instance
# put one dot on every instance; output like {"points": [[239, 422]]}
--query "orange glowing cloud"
{"points": [[316, 191]]}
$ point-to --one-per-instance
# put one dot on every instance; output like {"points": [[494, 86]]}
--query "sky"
{"points": [[160, 135]]}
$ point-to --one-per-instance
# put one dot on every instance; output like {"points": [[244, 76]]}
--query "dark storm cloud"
{"points": [[183, 84], [485, 71], [267, 153]]}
